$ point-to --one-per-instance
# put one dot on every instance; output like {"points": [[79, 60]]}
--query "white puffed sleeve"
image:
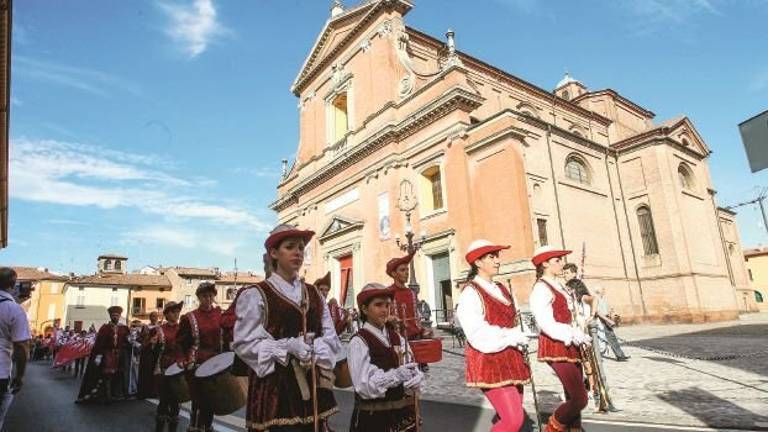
{"points": [[541, 306], [369, 381], [328, 346], [483, 336], [252, 343]]}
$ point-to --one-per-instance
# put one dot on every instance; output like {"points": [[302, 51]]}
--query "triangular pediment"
{"points": [[339, 225], [686, 134], [340, 30]]}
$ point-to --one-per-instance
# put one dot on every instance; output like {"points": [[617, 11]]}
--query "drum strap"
{"points": [[301, 378], [195, 336]]}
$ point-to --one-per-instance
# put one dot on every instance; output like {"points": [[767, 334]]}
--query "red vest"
{"points": [[199, 336], [110, 342], [406, 299], [385, 358], [499, 369], [552, 350], [275, 400], [169, 351]]}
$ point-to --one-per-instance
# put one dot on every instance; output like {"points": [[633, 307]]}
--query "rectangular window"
{"points": [[437, 190], [750, 274], [159, 303], [541, 224], [114, 301], [431, 189], [139, 306], [647, 231], [340, 117], [187, 300], [81, 300]]}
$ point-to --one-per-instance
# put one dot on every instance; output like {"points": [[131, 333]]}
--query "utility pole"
{"points": [[759, 200]]}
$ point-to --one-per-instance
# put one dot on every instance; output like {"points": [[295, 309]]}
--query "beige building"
{"points": [[87, 298], [228, 284], [387, 111], [756, 298], [46, 303]]}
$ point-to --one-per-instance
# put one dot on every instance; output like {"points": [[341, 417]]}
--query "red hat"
{"points": [[371, 290], [394, 263], [115, 309], [543, 253], [478, 248], [285, 231], [325, 280]]}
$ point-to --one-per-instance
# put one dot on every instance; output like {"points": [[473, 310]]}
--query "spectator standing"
{"points": [[607, 324], [14, 337]]}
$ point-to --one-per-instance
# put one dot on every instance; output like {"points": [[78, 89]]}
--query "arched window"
{"points": [[118, 265], [565, 95], [685, 177], [108, 265], [231, 293], [576, 170], [758, 297], [647, 231]]}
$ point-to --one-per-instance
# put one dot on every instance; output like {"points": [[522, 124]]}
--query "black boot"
{"points": [[173, 424], [160, 422]]}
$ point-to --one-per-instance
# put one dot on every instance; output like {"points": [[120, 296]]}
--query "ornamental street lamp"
{"points": [[406, 203]]}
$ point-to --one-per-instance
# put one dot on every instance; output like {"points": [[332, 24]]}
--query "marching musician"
{"points": [[338, 314], [269, 338], [198, 339], [558, 341], [405, 299], [148, 359], [164, 338], [104, 373], [377, 363], [494, 358]]}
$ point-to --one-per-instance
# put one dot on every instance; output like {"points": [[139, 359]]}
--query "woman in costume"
{"points": [[495, 345], [199, 338], [559, 341]]}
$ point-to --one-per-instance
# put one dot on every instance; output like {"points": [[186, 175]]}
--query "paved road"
{"points": [[46, 405]]}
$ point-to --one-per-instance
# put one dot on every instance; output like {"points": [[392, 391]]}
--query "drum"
{"points": [[226, 391], [427, 350], [177, 383], [341, 371]]}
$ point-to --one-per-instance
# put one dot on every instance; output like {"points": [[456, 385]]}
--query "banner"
{"points": [[384, 222], [73, 350]]}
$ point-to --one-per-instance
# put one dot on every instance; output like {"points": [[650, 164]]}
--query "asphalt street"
{"points": [[46, 404]]}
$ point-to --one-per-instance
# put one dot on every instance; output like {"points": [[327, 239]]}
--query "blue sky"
{"points": [[155, 128]]}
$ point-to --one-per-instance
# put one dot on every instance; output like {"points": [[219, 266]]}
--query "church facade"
{"points": [[393, 119]]}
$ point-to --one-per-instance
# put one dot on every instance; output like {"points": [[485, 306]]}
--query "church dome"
{"points": [[567, 79]]}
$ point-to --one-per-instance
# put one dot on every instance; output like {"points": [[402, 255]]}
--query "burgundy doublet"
{"points": [[551, 350], [401, 418], [275, 400], [499, 369]]}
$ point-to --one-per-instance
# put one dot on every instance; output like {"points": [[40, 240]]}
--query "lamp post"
{"points": [[406, 203]]}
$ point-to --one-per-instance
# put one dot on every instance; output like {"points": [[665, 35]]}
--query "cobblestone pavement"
{"points": [[663, 382]]}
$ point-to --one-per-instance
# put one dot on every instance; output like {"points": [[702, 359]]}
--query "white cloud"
{"points": [[81, 175], [193, 26], [88, 80], [180, 237], [653, 15]]}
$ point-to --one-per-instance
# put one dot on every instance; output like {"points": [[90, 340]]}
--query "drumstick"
{"points": [[304, 308], [412, 358]]}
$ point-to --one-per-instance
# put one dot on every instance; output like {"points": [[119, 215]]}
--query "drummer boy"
{"points": [[383, 375]]}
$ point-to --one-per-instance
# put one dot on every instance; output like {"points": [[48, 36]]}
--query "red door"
{"points": [[345, 264]]}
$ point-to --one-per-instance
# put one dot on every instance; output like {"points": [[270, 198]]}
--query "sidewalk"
{"points": [[713, 374]]}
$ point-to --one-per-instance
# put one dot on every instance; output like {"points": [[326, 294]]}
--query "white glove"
{"points": [[517, 339], [406, 372], [97, 360], [581, 338], [322, 350], [299, 349], [416, 381]]}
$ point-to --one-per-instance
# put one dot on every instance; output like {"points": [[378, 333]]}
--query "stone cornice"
{"points": [[456, 98], [616, 95], [476, 64]]}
